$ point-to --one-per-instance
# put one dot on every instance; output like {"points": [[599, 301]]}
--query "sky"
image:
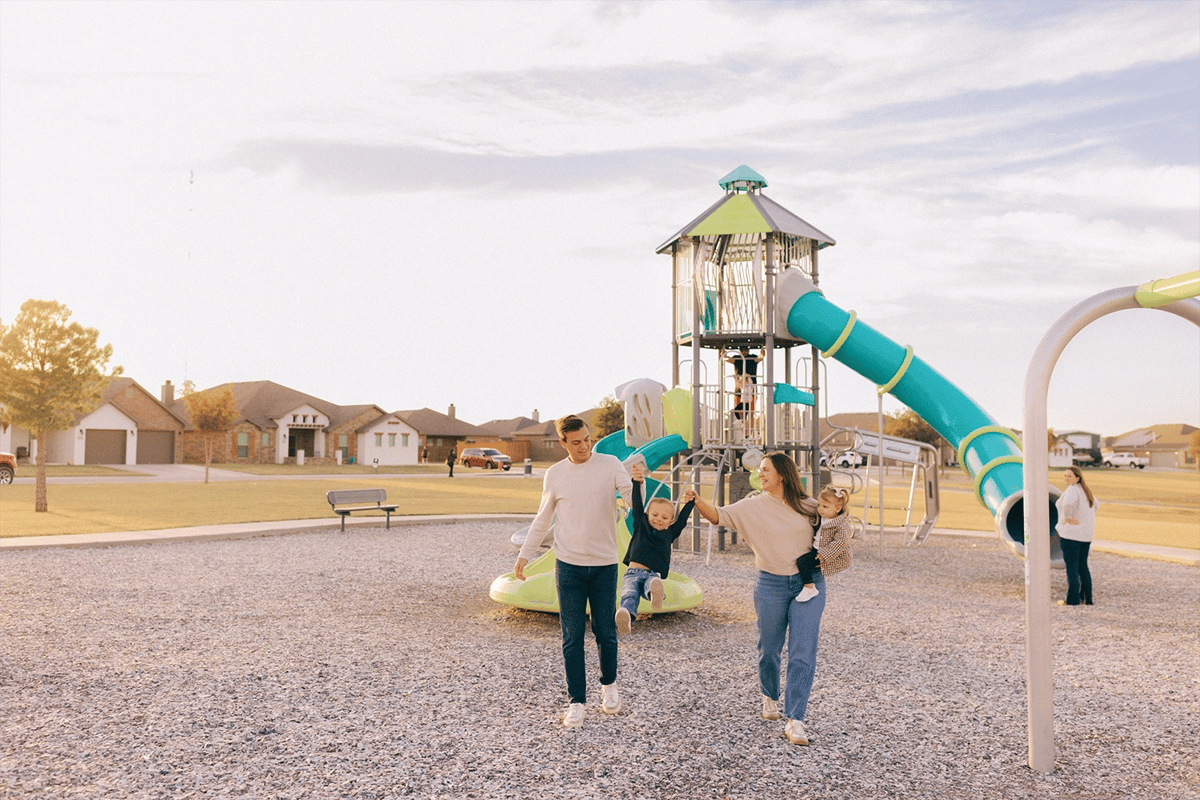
{"points": [[422, 204]]}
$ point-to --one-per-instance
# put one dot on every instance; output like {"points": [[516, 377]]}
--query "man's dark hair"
{"points": [[568, 424]]}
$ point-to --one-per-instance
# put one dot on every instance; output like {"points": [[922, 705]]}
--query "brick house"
{"points": [[131, 426], [276, 424], [439, 433]]}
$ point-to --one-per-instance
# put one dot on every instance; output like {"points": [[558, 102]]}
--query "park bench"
{"points": [[347, 501]]}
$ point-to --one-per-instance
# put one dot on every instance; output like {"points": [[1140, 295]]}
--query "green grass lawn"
{"points": [[1136, 506], [98, 508]]}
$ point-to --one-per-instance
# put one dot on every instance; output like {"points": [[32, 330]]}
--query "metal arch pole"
{"points": [[1039, 667]]}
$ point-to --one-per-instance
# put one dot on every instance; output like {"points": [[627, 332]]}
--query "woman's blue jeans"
{"points": [[577, 587], [783, 620], [1079, 577]]}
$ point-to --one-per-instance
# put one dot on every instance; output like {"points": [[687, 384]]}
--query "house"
{"points": [[1164, 445], [131, 426], [439, 434], [1085, 446], [1062, 454], [277, 425], [501, 434]]}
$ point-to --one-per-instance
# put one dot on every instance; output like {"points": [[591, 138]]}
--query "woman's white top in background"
{"points": [[1073, 504]]}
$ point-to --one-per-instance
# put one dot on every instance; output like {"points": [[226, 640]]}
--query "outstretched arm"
{"points": [[706, 509]]}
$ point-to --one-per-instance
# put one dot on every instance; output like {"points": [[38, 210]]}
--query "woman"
{"points": [[1076, 529], [778, 524]]}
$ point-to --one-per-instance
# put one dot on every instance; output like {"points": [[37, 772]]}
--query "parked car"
{"points": [[1126, 460], [8, 467], [485, 457], [844, 459]]}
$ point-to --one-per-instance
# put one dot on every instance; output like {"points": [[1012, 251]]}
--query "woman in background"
{"points": [[1076, 529]]}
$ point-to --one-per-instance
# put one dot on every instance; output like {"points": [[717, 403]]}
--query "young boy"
{"points": [[655, 528], [831, 542]]}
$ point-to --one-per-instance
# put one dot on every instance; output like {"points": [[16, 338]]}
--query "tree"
{"points": [[212, 413], [51, 374], [610, 417], [908, 425], [1051, 440]]}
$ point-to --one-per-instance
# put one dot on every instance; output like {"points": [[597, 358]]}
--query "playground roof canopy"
{"points": [[752, 212]]}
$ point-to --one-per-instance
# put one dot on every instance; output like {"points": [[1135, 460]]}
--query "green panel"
{"points": [[736, 215]]}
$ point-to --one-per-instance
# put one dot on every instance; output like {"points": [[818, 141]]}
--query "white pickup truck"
{"points": [[1125, 460]]}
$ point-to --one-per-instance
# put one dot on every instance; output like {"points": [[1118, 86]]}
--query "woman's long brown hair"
{"points": [[1075, 471], [793, 490]]}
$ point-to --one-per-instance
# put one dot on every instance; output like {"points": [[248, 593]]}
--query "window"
{"points": [[404, 440], [391, 440], [266, 440], [243, 447], [379, 440], [344, 445]]}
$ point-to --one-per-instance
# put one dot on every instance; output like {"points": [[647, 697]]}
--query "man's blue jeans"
{"points": [[577, 587], [780, 619]]}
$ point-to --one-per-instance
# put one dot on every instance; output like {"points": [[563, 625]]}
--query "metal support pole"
{"points": [[1039, 667]]}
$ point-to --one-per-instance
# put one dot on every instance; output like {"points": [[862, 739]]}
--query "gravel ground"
{"points": [[372, 664]]}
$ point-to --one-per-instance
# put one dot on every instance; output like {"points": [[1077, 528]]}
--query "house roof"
{"points": [[1156, 437], [262, 402], [547, 430], [114, 392], [507, 427], [428, 422]]}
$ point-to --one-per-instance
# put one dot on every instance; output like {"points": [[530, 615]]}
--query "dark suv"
{"points": [[485, 457], [8, 467]]}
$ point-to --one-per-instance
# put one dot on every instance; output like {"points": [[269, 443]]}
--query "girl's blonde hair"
{"points": [[840, 496]]}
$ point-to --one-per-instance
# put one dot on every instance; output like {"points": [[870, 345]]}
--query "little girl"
{"points": [[831, 543]]}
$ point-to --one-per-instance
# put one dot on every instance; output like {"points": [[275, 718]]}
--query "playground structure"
{"points": [[745, 274]]}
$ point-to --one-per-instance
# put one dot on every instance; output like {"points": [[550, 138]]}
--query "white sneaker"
{"points": [[806, 594], [611, 701], [795, 733], [657, 593], [624, 621], [770, 708], [574, 716]]}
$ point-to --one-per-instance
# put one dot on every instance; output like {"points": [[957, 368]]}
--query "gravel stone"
{"points": [[372, 664]]}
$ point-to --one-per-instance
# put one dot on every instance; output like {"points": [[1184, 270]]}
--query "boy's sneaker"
{"points": [[574, 716], [624, 621], [806, 594], [610, 702], [658, 593], [770, 708], [795, 733]]}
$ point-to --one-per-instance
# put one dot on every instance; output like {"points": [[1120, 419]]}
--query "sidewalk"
{"points": [[247, 530]]}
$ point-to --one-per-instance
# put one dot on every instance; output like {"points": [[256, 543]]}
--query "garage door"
{"points": [[156, 447], [104, 447]]}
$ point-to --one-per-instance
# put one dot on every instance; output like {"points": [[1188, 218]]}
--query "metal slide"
{"points": [[988, 453]]}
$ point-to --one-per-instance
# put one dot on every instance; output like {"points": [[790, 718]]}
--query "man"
{"points": [[579, 495]]}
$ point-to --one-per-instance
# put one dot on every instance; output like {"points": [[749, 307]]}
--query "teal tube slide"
{"points": [[990, 454]]}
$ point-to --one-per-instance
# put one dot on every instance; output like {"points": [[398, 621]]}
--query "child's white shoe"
{"points": [[806, 594]]}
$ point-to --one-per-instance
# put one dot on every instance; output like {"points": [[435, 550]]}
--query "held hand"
{"points": [[519, 569], [1071, 521], [638, 473], [690, 494]]}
